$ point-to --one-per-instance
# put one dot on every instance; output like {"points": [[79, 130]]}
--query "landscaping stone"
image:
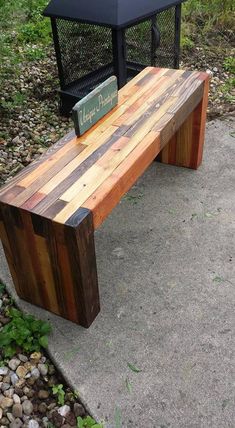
{"points": [[43, 394], [33, 424], [14, 363], [21, 371], [6, 402], [27, 407], [3, 371], [43, 369], [16, 398], [17, 410], [17, 423], [64, 410], [14, 379]]}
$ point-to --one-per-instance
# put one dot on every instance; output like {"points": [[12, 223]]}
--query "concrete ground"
{"points": [[167, 284]]}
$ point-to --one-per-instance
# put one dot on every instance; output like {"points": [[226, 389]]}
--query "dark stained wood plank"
{"points": [[80, 241]]}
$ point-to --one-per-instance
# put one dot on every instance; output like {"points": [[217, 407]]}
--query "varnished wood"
{"points": [[49, 211]]}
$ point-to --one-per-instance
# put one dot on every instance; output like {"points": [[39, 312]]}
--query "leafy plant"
{"points": [[23, 331], [87, 422], [34, 53], [59, 391], [229, 64]]}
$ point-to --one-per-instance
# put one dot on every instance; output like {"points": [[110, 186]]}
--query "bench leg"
{"points": [[185, 148], [53, 265]]}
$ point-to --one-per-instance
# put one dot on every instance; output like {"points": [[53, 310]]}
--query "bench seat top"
{"points": [[96, 169]]}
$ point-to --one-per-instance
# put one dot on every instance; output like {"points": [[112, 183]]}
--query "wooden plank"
{"points": [[10, 258], [51, 304], [81, 252], [21, 253], [48, 169], [186, 145], [106, 197]]}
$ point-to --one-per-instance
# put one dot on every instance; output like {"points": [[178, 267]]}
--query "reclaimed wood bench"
{"points": [[49, 211]]}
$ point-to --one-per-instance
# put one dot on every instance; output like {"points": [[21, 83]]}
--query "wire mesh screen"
{"points": [[165, 54], [139, 41], [84, 48]]}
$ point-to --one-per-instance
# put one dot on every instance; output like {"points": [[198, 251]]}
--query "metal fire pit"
{"points": [[94, 40]]}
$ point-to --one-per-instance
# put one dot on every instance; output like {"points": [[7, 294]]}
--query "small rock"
{"points": [[10, 417], [3, 371], [9, 393], [17, 410], [35, 373], [21, 371], [42, 408], [7, 379], [33, 424], [45, 421], [70, 418], [57, 419], [51, 405], [51, 369], [16, 140], [24, 397], [16, 399], [78, 410], [69, 396], [14, 363], [5, 386], [36, 356], [28, 365], [6, 402], [27, 407], [4, 421], [17, 423], [14, 379], [64, 410], [43, 369], [20, 383], [22, 358], [31, 381], [19, 391], [52, 381], [43, 394]]}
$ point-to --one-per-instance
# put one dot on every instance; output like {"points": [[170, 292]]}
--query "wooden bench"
{"points": [[49, 211]]}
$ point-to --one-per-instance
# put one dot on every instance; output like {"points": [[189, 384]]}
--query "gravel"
{"points": [[26, 396]]}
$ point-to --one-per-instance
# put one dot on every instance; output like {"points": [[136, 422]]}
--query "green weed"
{"points": [[34, 53], [58, 390], [229, 64], [23, 331], [87, 422]]}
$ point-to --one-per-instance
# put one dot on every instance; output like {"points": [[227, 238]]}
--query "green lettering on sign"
{"points": [[95, 105]]}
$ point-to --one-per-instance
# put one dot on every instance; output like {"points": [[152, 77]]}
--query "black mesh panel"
{"points": [[84, 48], [165, 52], [139, 37]]}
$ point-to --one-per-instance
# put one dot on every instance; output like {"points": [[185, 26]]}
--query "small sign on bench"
{"points": [[95, 105]]}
